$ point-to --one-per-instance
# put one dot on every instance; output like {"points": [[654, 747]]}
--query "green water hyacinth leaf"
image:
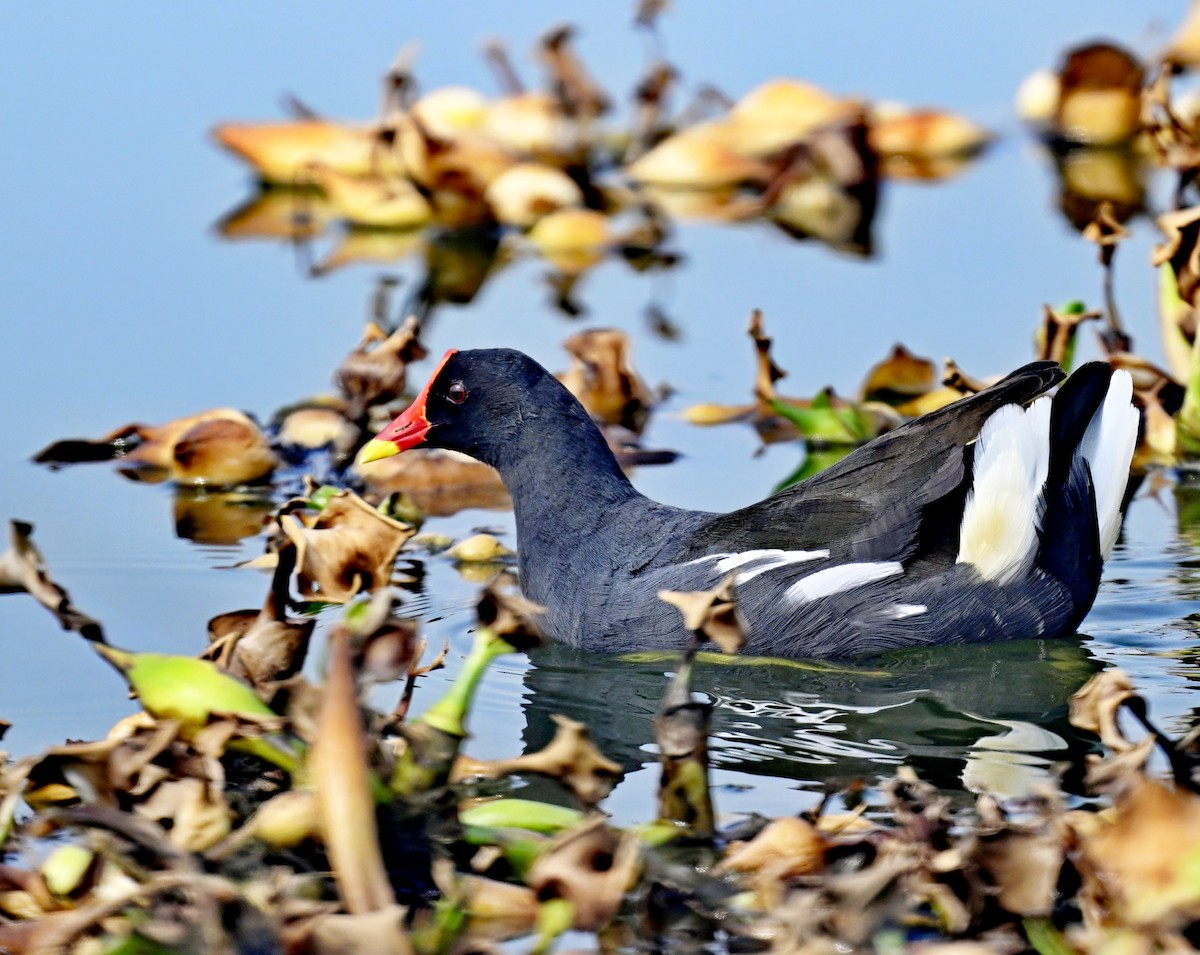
{"points": [[521, 814], [322, 496], [824, 423], [185, 689]]}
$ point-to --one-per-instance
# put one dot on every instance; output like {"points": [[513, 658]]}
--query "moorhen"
{"points": [[985, 520]]}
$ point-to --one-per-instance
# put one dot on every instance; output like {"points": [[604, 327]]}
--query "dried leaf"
{"points": [[1146, 860], [262, 646], [589, 867], [281, 151], [341, 775], [350, 547], [440, 482], [376, 372], [23, 570], [900, 377], [571, 757], [710, 614], [785, 847], [195, 816], [603, 379], [1100, 95]]}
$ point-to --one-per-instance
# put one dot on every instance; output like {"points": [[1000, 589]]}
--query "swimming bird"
{"points": [[987, 520]]}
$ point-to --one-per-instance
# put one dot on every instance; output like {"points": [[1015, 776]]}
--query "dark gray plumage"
{"points": [[594, 552]]}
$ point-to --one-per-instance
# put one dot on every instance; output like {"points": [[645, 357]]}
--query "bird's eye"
{"points": [[457, 392]]}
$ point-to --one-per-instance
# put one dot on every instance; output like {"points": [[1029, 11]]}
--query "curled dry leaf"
{"points": [[710, 614], [281, 151], [194, 813], [1056, 336], [221, 447], [318, 423], [900, 377], [1144, 860], [341, 775], [223, 451], [1095, 706], [1181, 249], [349, 547], [591, 868], [509, 615], [23, 570], [376, 372], [441, 482], [1099, 95], [571, 757], [603, 379], [897, 130], [522, 195], [262, 646], [785, 847]]}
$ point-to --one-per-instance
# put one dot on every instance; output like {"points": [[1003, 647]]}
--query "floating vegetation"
{"points": [[265, 801]]}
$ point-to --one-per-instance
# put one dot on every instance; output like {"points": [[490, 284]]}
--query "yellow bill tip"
{"points": [[374, 450]]}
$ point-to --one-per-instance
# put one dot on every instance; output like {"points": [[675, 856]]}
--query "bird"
{"points": [[986, 520]]}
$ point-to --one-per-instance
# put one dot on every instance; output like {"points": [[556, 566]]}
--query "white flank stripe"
{"points": [[1108, 447], [777, 558], [786, 558], [834, 580], [999, 533], [904, 611]]}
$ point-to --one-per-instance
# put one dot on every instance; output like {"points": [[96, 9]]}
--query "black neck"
{"points": [[568, 491]]}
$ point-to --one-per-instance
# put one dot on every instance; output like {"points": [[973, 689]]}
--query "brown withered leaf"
{"points": [[341, 775], [590, 867], [1181, 249], [221, 447], [130, 761], [900, 377], [1094, 707], [318, 423], [440, 482], [710, 614], [262, 646], [376, 372], [1023, 865], [508, 614], [495, 910], [571, 758], [195, 816], [602, 377], [380, 932], [578, 94], [783, 849], [1144, 860], [1056, 335], [350, 547], [23, 570], [1100, 95], [1183, 50]]}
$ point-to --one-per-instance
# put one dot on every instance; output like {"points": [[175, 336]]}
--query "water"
{"points": [[120, 303]]}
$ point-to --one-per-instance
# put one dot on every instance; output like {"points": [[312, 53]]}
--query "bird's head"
{"points": [[475, 402]]}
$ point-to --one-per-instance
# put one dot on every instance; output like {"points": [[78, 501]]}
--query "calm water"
{"points": [[119, 303]]}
